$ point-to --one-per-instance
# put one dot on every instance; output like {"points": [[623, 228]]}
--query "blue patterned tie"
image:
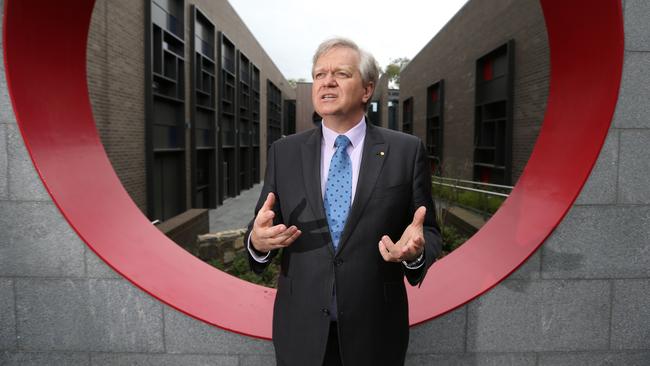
{"points": [[338, 190]]}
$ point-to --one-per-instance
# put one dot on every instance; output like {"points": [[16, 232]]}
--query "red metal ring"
{"points": [[45, 58]]}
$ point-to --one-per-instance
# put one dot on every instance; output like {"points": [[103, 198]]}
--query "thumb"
{"points": [[418, 216], [270, 201]]}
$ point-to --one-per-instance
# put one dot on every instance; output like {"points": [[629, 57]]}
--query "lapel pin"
{"points": [[381, 153]]}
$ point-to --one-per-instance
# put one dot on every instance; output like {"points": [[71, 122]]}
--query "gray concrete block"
{"points": [[595, 359], [632, 109], [637, 28], [96, 267], [631, 315], [530, 269], [600, 187], [634, 166], [7, 315], [40, 359], [112, 359], [87, 315], [540, 316], [24, 182], [444, 334], [599, 242], [255, 360], [472, 359], [4, 166], [6, 109], [37, 241], [184, 334]]}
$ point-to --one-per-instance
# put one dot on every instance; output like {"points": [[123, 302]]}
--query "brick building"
{"points": [[383, 109], [476, 93], [306, 116], [185, 101]]}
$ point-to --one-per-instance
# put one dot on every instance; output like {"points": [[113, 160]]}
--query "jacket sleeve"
{"points": [[269, 186], [422, 197]]}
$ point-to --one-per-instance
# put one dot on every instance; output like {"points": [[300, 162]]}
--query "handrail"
{"points": [[473, 189], [474, 182]]}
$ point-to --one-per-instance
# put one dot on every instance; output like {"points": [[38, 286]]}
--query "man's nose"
{"points": [[330, 80]]}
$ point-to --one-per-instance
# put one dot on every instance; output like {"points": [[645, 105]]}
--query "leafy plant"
{"points": [[239, 268]]}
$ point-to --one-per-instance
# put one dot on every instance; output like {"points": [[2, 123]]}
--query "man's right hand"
{"points": [[266, 237]]}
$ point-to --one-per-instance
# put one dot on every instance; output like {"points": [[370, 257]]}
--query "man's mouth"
{"points": [[328, 96]]}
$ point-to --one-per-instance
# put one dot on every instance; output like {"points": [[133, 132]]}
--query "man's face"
{"points": [[338, 90]]}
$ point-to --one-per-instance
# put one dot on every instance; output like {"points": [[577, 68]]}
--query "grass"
{"points": [[475, 200]]}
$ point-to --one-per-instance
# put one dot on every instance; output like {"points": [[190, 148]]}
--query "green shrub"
{"points": [[451, 239], [239, 268]]}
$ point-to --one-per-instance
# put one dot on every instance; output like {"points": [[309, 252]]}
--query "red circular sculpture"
{"points": [[51, 103]]}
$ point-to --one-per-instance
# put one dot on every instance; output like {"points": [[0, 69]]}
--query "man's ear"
{"points": [[367, 91]]}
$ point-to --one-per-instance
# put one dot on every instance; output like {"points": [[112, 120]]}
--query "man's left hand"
{"points": [[410, 245]]}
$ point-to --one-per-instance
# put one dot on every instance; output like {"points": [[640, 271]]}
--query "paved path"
{"points": [[236, 212]]}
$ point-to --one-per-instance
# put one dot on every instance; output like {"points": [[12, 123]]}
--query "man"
{"points": [[349, 204]]}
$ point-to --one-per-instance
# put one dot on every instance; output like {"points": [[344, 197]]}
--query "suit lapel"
{"points": [[311, 155], [372, 160]]}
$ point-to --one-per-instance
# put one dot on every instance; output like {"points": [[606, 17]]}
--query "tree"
{"points": [[293, 82], [393, 69]]}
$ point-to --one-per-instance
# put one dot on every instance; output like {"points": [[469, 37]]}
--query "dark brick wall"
{"points": [[116, 69], [304, 107], [478, 28], [381, 96]]}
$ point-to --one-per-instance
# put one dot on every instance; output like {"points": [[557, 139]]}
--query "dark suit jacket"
{"points": [[371, 296]]}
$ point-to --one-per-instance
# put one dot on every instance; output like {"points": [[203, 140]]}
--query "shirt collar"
{"points": [[355, 134]]}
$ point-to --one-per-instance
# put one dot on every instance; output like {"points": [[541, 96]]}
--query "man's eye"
{"points": [[320, 75], [342, 74]]}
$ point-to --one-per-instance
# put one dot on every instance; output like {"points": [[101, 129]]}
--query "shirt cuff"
{"points": [[258, 258], [415, 264]]}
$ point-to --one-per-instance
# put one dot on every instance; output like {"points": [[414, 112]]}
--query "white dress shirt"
{"points": [[357, 136]]}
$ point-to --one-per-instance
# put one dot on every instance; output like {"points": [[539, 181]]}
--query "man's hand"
{"points": [[410, 245], [266, 237]]}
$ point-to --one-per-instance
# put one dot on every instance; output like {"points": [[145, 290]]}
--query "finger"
{"points": [[264, 218], [416, 243], [418, 216], [388, 243], [277, 239], [273, 231], [269, 202], [413, 248], [290, 239], [385, 253], [408, 252]]}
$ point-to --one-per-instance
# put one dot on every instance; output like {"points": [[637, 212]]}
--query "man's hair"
{"points": [[368, 66]]}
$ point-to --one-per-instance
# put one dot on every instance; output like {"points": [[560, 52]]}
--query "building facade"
{"points": [[476, 93], [306, 116], [383, 109], [185, 99]]}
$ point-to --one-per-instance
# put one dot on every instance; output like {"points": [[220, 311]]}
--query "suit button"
{"points": [[338, 262], [326, 312]]}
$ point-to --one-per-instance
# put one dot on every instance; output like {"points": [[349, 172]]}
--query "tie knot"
{"points": [[342, 142]]}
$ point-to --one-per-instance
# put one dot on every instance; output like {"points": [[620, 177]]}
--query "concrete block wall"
{"points": [[582, 299]]}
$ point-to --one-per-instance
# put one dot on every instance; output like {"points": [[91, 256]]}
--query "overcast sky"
{"points": [[290, 30]]}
